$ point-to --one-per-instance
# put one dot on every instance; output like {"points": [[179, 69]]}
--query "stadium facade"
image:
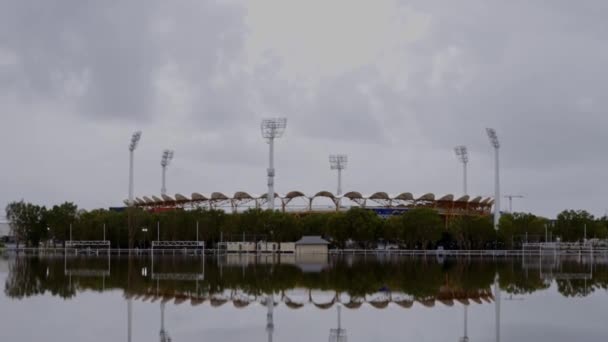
{"points": [[323, 201]]}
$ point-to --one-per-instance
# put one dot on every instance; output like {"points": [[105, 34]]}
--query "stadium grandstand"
{"points": [[322, 201]]}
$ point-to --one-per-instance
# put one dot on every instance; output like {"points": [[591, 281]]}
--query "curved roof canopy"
{"points": [[427, 197], [241, 195], [464, 198], [447, 198], [181, 198], [198, 197], [353, 195], [294, 194], [379, 196], [476, 200], [167, 198], [218, 196], [148, 200], [405, 196], [324, 194], [156, 199]]}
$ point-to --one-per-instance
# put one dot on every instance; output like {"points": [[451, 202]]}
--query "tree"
{"points": [[26, 221], [59, 218], [570, 225], [421, 226]]}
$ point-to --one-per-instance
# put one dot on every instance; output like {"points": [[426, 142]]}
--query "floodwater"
{"points": [[317, 298]]}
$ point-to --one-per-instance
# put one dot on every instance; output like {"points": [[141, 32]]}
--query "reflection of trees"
{"points": [[34, 276], [418, 277], [514, 279]]}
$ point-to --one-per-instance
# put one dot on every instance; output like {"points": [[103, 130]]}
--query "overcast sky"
{"points": [[393, 84]]}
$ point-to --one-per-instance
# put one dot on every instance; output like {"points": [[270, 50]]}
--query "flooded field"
{"points": [[317, 298]]}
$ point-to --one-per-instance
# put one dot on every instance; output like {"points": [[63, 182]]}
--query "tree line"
{"points": [[418, 228]]}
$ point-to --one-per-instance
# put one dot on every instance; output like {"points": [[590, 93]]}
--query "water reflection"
{"points": [[300, 285]]}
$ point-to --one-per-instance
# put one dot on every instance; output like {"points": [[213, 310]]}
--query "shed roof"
{"points": [[312, 240]]}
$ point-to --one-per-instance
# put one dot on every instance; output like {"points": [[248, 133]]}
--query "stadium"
{"points": [[323, 201]]}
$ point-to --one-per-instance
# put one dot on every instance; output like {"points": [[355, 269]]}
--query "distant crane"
{"points": [[511, 197]]}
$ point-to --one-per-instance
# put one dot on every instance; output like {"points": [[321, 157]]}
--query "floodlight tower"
{"points": [[164, 162], [134, 140], [338, 162], [270, 316], [164, 334], [338, 334], [463, 156], [272, 129], [496, 144]]}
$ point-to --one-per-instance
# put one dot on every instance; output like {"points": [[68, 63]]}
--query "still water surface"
{"points": [[190, 298]]}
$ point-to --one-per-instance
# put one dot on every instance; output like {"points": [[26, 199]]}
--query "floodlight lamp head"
{"points": [[134, 140], [273, 128], [338, 161], [493, 137], [462, 153], [167, 157]]}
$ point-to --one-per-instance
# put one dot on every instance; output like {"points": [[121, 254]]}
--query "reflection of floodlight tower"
{"points": [[465, 338], [339, 334], [269, 316], [134, 140], [272, 129], [338, 162], [164, 162], [494, 141], [164, 335], [497, 306], [463, 157]]}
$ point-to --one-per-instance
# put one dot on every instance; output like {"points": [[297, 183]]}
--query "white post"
{"points": [[271, 174], [497, 190], [585, 236], [163, 189], [464, 172], [131, 178], [339, 182]]}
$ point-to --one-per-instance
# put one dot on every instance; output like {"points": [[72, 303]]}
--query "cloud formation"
{"points": [[394, 84]]}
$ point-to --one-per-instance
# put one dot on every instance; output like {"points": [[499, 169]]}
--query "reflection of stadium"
{"points": [[296, 201], [323, 300]]}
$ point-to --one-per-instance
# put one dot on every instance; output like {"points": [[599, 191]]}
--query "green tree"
{"points": [[421, 227]]}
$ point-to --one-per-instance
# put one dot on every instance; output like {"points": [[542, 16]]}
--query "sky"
{"points": [[394, 84]]}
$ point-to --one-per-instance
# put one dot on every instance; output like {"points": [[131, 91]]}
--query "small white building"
{"points": [[236, 247], [312, 245], [268, 247], [288, 247]]}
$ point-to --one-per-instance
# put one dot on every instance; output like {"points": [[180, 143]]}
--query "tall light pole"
{"points": [[272, 129], [338, 162], [134, 140], [132, 146], [494, 141], [463, 157], [164, 162]]}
